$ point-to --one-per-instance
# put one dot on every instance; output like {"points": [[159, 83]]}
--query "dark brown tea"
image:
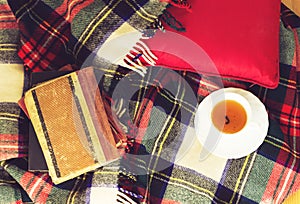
{"points": [[229, 116]]}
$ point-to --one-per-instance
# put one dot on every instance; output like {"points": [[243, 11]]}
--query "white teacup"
{"points": [[240, 141]]}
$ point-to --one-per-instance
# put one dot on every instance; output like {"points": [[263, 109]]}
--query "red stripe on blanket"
{"points": [[42, 195], [165, 201], [295, 187], [11, 154], [144, 118], [69, 8], [7, 18], [4, 7], [37, 183], [284, 186], [8, 25], [12, 138], [27, 181], [13, 146], [272, 183], [17, 149], [279, 185]]}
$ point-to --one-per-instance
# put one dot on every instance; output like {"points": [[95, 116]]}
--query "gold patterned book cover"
{"points": [[71, 124]]}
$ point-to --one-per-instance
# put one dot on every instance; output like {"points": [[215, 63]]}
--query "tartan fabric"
{"points": [[9, 35], [13, 138], [156, 111], [13, 133], [57, 33]]}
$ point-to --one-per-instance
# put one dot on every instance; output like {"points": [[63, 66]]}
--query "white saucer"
{"points": [[235, 145]]}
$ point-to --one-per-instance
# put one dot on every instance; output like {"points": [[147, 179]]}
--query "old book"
{"points": [[36, 159], [71, 124]]}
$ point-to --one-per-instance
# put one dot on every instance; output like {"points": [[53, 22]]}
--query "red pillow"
{"points": [[240, 37]]}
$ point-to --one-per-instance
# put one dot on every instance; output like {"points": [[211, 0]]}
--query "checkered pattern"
{"points": [[13, 123], [57, 33], [13, 140], [156, 112]]}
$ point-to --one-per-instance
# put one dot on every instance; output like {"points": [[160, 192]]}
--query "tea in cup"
{"points": [[230, 113]]}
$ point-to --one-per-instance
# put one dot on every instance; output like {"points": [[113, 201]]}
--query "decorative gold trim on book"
{"points": [[47, 139]]}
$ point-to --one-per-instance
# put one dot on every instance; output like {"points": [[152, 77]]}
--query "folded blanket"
{"points": [[156, 111]]}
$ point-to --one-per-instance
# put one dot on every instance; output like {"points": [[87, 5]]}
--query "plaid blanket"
{"points": [[57, 33], [156, 112]]}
